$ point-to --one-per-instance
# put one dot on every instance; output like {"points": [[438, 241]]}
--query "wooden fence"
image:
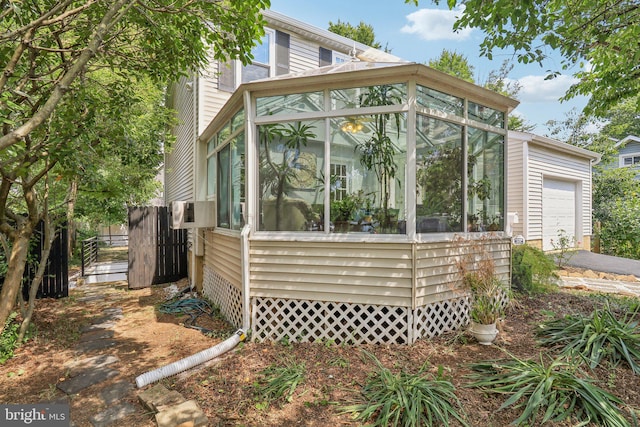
{"points": [[55, 283], [157, 253]]}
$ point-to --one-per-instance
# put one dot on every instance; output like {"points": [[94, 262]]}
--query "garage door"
{"points": [[558, 210]]}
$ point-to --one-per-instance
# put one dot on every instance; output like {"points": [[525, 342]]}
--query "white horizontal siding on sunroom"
{"points": [[550, 163]]}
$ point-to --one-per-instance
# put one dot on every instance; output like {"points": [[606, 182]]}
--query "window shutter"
{"points": [[325, 57], [226, 76], [282, 53]]}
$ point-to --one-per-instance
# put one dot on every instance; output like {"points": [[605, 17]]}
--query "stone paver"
{"points": [[113, 414], [100, 334], [187, 412], [77, 367], [116, 392], [88, 346], [86, 379], [97, 326]]}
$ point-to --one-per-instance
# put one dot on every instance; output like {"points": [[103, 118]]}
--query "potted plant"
{"points": [[486, 305], [486, 290]]}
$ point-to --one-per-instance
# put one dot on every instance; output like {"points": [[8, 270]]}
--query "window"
{"points": [[339, 184], [485, 181], [325, 57], [226, 173], [291, 175], [260, 67], [438, 176], [631, 160]]}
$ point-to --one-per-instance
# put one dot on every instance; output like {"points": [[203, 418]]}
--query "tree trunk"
{"points": [[72, 195], [37, 280], [13, 279]]}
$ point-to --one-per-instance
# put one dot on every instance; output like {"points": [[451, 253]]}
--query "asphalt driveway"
{"points": [[604, 263]]}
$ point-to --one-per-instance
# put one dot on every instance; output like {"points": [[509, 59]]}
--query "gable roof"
{"points": [[554, 143], [327, 38], [629, 138]]}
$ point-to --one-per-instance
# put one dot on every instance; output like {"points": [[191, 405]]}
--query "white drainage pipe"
{"points": [[191, 361]]}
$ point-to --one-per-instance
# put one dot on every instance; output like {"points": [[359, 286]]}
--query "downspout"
{"points": [[195, 169], [244, 248]]}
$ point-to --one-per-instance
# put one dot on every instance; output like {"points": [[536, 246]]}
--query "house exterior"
{"points": [[550, 190], [344, 189], [628, 152]]}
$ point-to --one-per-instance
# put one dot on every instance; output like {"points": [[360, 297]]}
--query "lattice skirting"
{"points": [[223, 294], [309, 321]]}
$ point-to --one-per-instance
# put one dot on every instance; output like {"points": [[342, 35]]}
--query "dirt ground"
{"points": [[225, 389]]}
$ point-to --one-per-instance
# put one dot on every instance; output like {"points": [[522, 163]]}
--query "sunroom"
{"points": [[345, 198]]}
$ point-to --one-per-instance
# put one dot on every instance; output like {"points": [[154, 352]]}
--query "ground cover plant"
{"points": [[547, 390], [595, 337]]}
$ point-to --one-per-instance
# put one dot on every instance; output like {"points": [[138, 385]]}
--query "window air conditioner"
{"points": [[193, 214]]}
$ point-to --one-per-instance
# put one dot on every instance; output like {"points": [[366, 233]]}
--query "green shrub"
{"points": [[533, 272], [596, 337], [554, 392], [405, 399], [9, 338]]}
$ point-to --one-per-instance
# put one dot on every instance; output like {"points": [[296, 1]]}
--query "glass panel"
{"points": [[486, 115], [237, 181], [253, 72], [211, 176], [290, 104], [224, 133], [211, 144], [429, 98], [260, 52], [372, 96], [291, 176], [223, 188], [369, 195], [438, 176], [238, 120], [485, 186]]}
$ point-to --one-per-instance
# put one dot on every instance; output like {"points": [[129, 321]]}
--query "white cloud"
{"points": [[537, 89], [435, 24]]}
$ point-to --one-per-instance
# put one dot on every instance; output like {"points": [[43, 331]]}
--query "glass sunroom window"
{"points": [[485, 186], [290, 104], [438, 175], [371, 96], [291, 179], [431, 98], [485, 115], [374, 150]]}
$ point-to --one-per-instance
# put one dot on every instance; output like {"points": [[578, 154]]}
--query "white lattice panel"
{"points": [[224, 295], [440, 317], [309, 321]]}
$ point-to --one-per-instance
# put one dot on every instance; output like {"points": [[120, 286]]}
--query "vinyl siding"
{"points": [[222, 255], [211, 100], [303, 55], [553, 164], [376, 273], [179, 161], [437, 274], [516, 192]]}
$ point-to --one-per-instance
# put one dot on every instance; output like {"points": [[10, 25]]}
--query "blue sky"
{"points": [[420, 33]]}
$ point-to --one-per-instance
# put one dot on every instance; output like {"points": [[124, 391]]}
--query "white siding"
{"points": [[516, 192], [437, 272], [303, 54], [222, 255], [210, 99], [179, 161], [545, 162], [370, 273]]}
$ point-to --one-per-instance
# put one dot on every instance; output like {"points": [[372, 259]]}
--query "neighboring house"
{"points": [[550, 189], [628, 152], [340, 188]]}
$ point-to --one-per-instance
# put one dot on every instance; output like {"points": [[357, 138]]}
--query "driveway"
{"points": [[604, 264]]}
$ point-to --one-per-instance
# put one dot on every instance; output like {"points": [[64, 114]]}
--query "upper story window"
{"points": [[270, 58], [631, 160], [330, 57]]}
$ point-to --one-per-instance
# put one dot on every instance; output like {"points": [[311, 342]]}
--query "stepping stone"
{"points": [[159, 397], [187, 413], [90, 298], [88, 346], [112, 414], [86, 379], [100, 334], [77, 367], [116, 392], [96, 326]]}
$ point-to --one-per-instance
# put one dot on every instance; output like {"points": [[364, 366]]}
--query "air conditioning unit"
{"points": [[193, 214]]}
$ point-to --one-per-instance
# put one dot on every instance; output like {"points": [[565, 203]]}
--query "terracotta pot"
{"points": [[485, 334]]}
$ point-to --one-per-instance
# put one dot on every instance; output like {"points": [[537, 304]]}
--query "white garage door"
{"points": [[558, 211]]}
